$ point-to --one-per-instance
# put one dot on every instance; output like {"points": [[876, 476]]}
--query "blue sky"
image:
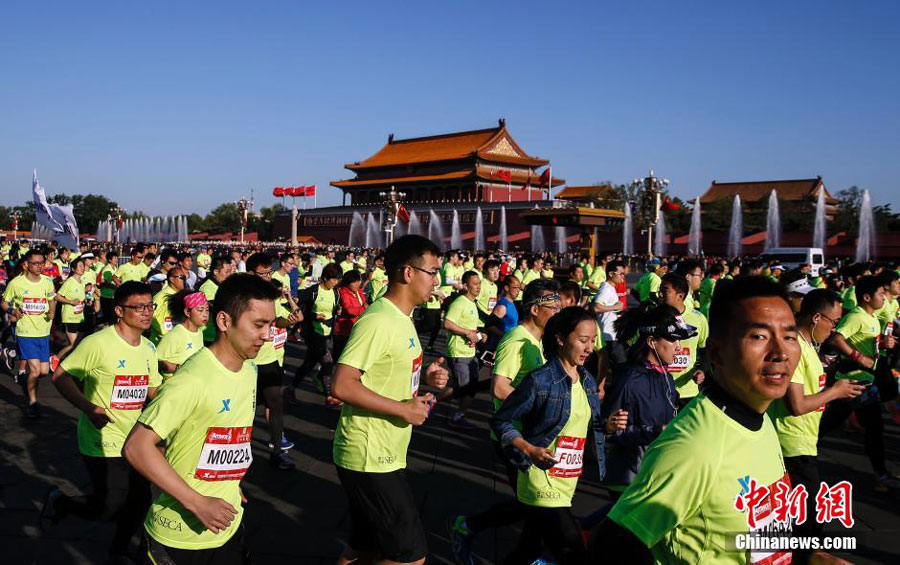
{"points": [[172, 107]]}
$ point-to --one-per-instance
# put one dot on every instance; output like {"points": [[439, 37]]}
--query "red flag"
{"points": [[505, 176], [310, 190], [668, 205], [403, 214], [278, 191], [545, 176], [297, 191], [526, 186], [288, 191]]}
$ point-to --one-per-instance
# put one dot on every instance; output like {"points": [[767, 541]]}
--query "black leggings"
{"points": [[868, 414], [502, 513], [120, 494], [316, 349], [430, 322], [555, 528]]}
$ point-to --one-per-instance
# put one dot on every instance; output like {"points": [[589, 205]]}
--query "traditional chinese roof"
{"points": [[756, 191], [454, 175], [518, 177], [493, 144], [596, 192]]}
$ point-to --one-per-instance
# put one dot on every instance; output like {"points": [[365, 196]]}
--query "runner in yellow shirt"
{"points": [[71, 296], [461, 322], [204, 416], [377, 378], [220, 269], [117, 367], [687, 367], [30, 300], [162, 317], [797, 416], [190, 314], [133, 270]]}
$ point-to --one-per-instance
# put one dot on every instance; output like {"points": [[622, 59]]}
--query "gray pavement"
{"points": [[300, 517]]}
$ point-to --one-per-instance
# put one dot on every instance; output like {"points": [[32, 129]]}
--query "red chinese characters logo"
{"points": [[789, 504]]}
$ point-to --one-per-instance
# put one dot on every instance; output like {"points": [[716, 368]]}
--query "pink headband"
{"points": [[195, 299]]}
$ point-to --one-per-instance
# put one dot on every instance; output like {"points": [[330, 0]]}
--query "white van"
{"points": [[794, 257]]}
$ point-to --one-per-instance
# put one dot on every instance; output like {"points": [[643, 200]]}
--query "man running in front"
{"points": [[377, 378]]}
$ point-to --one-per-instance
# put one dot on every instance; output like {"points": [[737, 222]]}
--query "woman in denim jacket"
{"points": [[558, 407]]}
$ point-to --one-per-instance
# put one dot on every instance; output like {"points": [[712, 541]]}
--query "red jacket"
{"points": [[353, 304]]}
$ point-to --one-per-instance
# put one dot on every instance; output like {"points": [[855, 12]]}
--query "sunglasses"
{"points": [[181, 277]]}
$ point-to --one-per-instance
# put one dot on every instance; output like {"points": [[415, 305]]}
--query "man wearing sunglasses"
{"points": [[797, 415], [133, 270], [162, 317]]}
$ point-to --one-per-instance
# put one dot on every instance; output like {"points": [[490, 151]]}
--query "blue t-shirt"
{"points": [[511, 319]]}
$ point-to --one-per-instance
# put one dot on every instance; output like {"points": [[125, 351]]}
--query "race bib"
{"points": [[34, 306], [821, 388], [129, 392], [279, 336], [491, 303], [569, 457], [226, 454], [416, 374], [78, 308], [681, 360], [167, 324]]}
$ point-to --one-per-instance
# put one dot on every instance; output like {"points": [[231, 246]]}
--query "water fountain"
{"points": [[435, 231], [736, 231], [504, 242], [415, 226], [659, 236], [537, 239], [455, 232], [628, 232], [819, 226], [372, 232], [479, 231], [773, 222], [357, 231], [561, 245], [865, 242], [695, 236]]}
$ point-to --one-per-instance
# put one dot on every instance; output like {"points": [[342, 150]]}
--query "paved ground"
{"points": [[300, 517]]}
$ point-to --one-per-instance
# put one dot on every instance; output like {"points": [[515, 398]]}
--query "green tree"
{"points": [[223, 218]]}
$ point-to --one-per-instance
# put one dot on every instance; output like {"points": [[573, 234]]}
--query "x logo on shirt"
{"points": [[121, 363], [225, 407], [412, 343], [190, 345]]}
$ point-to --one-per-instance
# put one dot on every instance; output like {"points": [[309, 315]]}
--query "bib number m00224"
{"points": [[226, 454]]}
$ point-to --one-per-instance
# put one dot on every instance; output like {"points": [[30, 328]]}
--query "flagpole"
{"points": [[550, 182], [528, 186], [509, 187]]}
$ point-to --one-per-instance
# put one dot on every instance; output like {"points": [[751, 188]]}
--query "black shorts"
{"points": [[383, 515], [233, 552], [269, 375], [74, 328]]}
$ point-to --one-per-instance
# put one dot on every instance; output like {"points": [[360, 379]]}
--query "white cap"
{"points": [[800, 286]]}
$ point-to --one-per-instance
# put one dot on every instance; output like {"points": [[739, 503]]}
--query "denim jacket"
{"points": [[543, 402]]}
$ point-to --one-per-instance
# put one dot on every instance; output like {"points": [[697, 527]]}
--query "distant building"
{"points": [[800, 193], [459, 172]]}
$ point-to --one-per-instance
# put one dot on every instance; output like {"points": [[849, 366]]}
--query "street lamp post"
{"points": [[15, 226], [244, 207], [393, 201], [650, 188]]}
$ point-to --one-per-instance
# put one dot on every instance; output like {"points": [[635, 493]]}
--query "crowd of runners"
{"points": [[703, 371]]}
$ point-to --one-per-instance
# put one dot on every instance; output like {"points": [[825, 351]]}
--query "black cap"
{"points": [[674, 329]]}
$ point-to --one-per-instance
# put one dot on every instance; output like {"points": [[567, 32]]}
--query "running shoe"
{"points": [[54, 363], [540, 561], [281, 461], [286, 444], [461, 423], [49, 517], [33, 411], [9, 359], [461, 538]]}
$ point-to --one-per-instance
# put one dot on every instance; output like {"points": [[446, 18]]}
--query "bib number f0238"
{"points": [[129, 392], [569, 456], [226, 454]]}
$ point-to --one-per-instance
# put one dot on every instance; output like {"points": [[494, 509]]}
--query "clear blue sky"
{"points": [[172, 107]]}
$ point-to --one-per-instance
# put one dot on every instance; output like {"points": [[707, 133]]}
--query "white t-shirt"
{"points": [[607, 296]]}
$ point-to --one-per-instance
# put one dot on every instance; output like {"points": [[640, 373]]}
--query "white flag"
{"points": [[59, 220]]}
